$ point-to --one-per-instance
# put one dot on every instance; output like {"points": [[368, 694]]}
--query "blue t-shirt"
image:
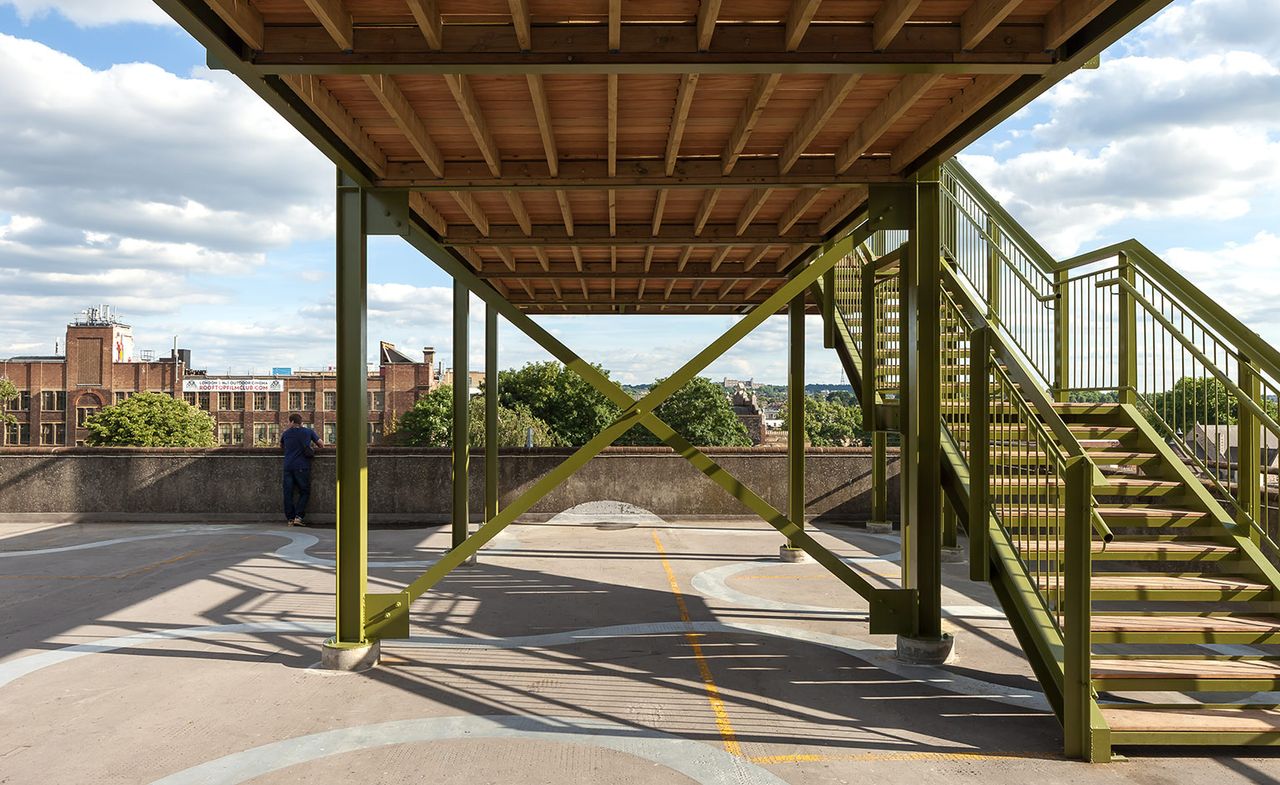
{"points": [[295, 441]]}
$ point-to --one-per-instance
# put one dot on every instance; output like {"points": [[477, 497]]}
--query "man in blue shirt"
{"points": [[299, 445]]}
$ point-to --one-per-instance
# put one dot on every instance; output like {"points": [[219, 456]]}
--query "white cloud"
{"points": [[92, 13], [1241, 277]]}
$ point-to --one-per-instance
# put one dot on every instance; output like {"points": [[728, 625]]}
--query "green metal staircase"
{"points": [[1134, 554]]}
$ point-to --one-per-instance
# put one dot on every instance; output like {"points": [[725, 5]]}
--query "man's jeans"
{"points": [[296, 480]]}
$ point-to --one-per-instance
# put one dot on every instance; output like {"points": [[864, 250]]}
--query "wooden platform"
{"points": [[672, 155]]}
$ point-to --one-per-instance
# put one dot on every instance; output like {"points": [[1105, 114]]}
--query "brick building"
{"points": [[100, 367]]}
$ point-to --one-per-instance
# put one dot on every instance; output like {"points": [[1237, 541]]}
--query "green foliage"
{"points": [[701, 413], [150, 420], [430, 423], [574, 410], [1199, 401], [831, 421], [8, 392], [1091, 396]]}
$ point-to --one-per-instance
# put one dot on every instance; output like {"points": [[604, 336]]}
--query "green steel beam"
{"points": [[490, 412], [1249, 450], [926, 253], [979, 454], [1077, 686], [1127, 350], [795, 413], [461, 419], [1061, 336], [352, 416]]}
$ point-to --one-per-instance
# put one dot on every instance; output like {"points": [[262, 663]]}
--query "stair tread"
{"points": [[1196, 624], [1110, 513], [1155, 581], [1137, 546], [1184, 669], [1192, 719]]}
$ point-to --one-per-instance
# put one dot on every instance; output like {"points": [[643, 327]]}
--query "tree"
{"points": [[150, 420], [700, 412], [574, 410], [831, 422], [430, 423], [8, 393], [1193, 401]]}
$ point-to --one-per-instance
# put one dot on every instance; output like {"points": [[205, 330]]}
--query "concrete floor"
{"points": [[596, 647]]}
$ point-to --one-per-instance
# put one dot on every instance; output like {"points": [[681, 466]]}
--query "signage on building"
{"points": [[232, 385], [282, 372]]}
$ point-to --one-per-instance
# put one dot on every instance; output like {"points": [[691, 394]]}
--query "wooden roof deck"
{"points": [[660, 156]]}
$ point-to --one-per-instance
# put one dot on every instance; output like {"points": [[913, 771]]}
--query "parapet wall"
{"points": [[408, 485]]}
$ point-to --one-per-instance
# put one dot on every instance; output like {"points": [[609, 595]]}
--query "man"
{"points": [[299, 445]]}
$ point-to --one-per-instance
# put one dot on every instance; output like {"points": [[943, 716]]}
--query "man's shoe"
{"points": [[296, 522]]}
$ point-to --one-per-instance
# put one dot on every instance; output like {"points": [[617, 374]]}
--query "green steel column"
{"points": [[926, 259], [978, 524], [461, 382], [795, 413], [1078, 555], [1128, 335], [490, 412], [829, 309], [950, 533], [879, 477], [1249, 451], [908, 401], [1061, 336], [352, 416], [868, 347], [995, 267]]}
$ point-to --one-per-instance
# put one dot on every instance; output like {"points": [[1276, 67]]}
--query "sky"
{"points": [[132, 175]]}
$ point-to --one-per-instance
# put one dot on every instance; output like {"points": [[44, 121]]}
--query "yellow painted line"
{"points": [[727, 734], [903, 756], [823, 577]]}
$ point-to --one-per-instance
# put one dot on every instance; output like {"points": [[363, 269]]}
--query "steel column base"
{"points": [[879, 527], [792, 555], [953, 554], [349, 657], [926, 651]]}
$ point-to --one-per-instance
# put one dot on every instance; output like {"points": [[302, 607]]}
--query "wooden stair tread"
{"points": [[1108, 513], [1192, 719], [1134, 546], [1184, 669], [1155, 581], [1195, 624]]}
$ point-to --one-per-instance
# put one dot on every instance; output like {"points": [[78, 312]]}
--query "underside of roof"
{"points": [[658, 156]]}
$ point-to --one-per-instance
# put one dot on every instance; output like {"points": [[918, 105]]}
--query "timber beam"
{"points": [[651, 48], [599, 235]]}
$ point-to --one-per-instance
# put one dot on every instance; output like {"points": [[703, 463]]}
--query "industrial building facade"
{"points": [[100, 367]]}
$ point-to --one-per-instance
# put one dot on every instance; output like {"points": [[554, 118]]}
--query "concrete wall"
{"points": [[408, 485]]}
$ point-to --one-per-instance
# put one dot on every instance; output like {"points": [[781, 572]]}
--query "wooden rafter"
{"points": [[1066, 19], [753, 258], [684, 100], [542, 111], [508, 257], [566, 211], [243, 19], [798, 207], [708, 10], [611, 109], [473, 211], [406, 119], [751, 208], [543, 260], [684, 258], [751, 111], [336, 20], [982, 18], [615, 25], [520, 20], [946, 119], [419, 204], [882, 118], [709, 200], [659, 206], [820, 111], [465, 97], [427, 14], [518, 211], [720, 255], [321, 101], [841, 209], [889, 21], [798, 19]]}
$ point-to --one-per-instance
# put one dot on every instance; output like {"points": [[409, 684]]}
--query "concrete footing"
{"points": [[879, 527], [926, 651], [792, 555], [335, 657], [953, 554]]}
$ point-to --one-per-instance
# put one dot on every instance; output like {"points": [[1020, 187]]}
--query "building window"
{"points": [[21, 403], [376, 399], [121, 397], [266, 434], [190, 398], [266, 402], [230, 434], [273, 402], [330, 433], [53, 433], [83, 413], [231, 401], [53, 401], [17, 434], [330, 400], [302, 401], [374, 433]]}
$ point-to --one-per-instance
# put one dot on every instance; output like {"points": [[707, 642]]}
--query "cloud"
{"points": [[92, 13], [1241, 277]]}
